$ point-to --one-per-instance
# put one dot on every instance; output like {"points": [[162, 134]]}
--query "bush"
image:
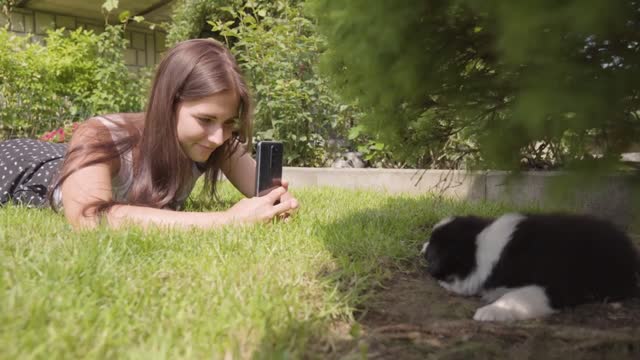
{"points": [[72, 76], [277, 48], [502, 83]]}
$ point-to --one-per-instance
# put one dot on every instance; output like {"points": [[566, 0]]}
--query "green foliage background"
{"points": [[539, 84], [277, 47], [70, 77], [428, 84]]}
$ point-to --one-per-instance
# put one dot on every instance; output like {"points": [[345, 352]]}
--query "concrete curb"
{"points": [[610, 197]]}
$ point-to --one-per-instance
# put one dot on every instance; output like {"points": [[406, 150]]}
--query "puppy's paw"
{"points": [[494, 313], [523, 303]]}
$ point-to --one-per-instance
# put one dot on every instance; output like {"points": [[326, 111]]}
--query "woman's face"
{"points": [[205, 124]]}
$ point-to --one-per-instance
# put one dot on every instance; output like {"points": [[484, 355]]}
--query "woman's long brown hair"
{"points": [[191, 70]]}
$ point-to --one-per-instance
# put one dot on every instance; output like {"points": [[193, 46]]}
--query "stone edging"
{"points": [[612, 197]]}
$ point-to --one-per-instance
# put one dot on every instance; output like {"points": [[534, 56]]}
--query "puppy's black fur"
{"points": [[574, 259], [452, 250]]}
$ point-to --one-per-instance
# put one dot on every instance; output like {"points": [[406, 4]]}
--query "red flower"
{"points": [[61, 134]]}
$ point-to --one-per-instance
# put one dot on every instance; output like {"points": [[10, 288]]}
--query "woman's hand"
{"points": [[262, 208], [288, 197]]}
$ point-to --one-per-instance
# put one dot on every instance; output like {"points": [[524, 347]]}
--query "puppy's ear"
{"points": [[443, 222]]}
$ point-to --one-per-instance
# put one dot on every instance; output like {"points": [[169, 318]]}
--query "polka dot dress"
{"points": [[27, 168]]}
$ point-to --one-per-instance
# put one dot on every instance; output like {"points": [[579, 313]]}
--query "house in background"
{"points": [[145, 45]]}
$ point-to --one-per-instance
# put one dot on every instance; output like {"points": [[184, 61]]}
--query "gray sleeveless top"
{"points": [[121, 183]]}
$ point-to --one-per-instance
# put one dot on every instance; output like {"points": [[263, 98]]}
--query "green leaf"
{"points": [[110, 5], [266, 134], [363, 149], [355, 131], [229, 10], [124, 16], [378, 146]]}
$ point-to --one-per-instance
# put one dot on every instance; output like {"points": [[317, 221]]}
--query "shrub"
{"points": [[277, 48], [535, 84], [70, 77]]}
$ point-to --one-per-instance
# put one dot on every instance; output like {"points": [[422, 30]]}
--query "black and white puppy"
{"points": [[529, 266]]}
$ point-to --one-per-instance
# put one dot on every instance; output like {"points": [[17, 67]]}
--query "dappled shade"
{"points": [[548, 82]]}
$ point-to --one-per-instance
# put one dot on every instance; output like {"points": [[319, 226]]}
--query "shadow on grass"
{"points": [[405, 314], [369, 245]]}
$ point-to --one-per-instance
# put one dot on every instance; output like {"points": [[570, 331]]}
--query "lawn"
{"points": [[269, 290]]}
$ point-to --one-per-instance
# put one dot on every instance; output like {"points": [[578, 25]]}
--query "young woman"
{"points": [[140, 168]]}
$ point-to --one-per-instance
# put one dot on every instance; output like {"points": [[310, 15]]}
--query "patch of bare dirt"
{"points": [[412, 317]]}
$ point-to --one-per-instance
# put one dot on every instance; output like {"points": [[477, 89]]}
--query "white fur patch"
{"points": [[443, 222], [494, 294], [523, 303], [489, 245], [440, 223], [424, 248]]}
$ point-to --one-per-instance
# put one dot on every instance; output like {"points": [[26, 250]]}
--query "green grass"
{"points": [[256, 291]]}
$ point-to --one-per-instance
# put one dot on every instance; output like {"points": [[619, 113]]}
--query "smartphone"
{"points": [[268, 166]]}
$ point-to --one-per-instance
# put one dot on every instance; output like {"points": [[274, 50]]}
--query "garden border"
{"points": [[610, 196]]}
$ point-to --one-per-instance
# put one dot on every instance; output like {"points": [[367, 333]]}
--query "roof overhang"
{"points": [[156, 11]]}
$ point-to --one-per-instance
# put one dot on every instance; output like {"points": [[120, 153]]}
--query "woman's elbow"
{"points": [[82, 220]]}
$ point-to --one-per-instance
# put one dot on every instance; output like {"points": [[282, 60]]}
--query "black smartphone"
{"points": [[268, 166]]}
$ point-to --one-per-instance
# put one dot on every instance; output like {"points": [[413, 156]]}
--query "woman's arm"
{"points": [[246, 211], [240, 169], [93, 183], [87, 184]]}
